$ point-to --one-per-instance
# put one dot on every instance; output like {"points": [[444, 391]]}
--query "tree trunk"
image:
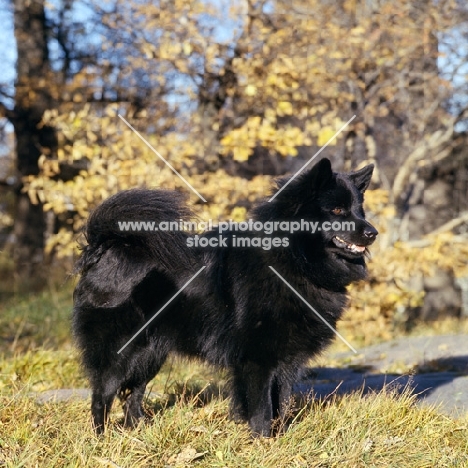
{"points": [[32, 98]]}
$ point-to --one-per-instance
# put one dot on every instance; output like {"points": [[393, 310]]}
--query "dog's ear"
{"points": [[362, 178], [320, 174]]}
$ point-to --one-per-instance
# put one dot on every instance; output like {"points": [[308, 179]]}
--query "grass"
{"points": [[189, 429]]}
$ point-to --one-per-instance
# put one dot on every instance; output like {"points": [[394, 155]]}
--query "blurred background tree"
{"points": [[232, 93]]}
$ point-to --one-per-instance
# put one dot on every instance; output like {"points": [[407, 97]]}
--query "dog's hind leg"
{"points": [[146, 367], [132, 406], [101, 403]]}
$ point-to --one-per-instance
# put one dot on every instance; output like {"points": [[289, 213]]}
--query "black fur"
{"points": [[237, 314]]}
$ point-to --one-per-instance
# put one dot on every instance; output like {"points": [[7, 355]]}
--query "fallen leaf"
{"points": [[187, 455]]}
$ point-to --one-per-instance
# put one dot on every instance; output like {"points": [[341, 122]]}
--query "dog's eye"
{"points": [[337, 211]]}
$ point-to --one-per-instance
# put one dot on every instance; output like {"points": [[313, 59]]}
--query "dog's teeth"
{"points": [[352, 247]]}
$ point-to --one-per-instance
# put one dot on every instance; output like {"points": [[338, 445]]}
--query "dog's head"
{"points": [[333, 203], [340, 200]]}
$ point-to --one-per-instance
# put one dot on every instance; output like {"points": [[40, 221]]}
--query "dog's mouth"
{"points": [[348, 246]]}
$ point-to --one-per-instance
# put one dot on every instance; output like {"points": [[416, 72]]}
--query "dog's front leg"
{"points": [[281, 395], [258, 381]]}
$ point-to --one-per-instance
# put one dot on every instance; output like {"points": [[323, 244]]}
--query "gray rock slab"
{"points": [[439, 371], [62, 395], [448, 350]]}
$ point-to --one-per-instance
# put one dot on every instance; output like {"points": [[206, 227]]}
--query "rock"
{"points": [[436, 369]]}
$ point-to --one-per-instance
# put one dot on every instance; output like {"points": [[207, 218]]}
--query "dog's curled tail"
{"points": [[125, 240]]}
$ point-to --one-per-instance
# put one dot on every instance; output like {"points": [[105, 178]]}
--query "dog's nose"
{"points": [[370, 232]]}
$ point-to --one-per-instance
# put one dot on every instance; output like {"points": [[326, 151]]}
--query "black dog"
{"points": [[237, 313]]}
